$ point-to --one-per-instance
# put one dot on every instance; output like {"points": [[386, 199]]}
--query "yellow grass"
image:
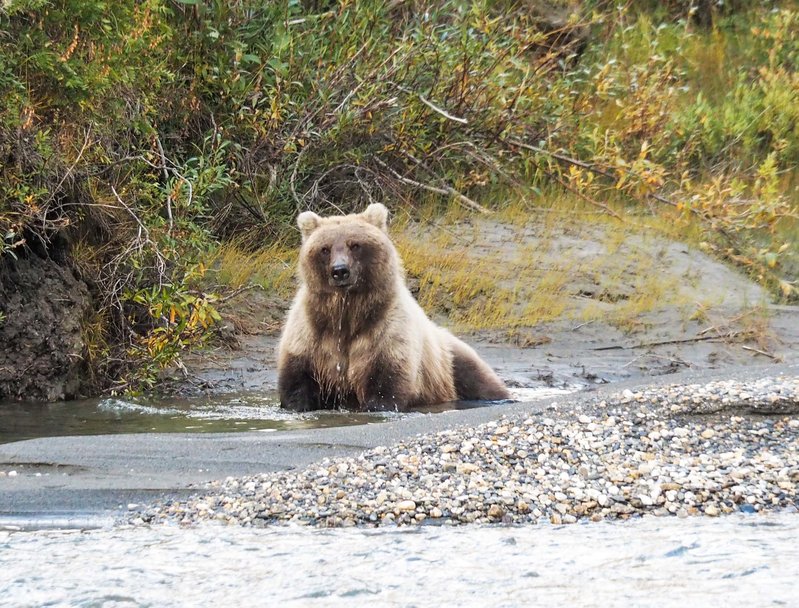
{"points": [[525, 265], [525, 275], [272, 268]]}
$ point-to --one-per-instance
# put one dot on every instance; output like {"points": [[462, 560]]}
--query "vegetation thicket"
{"points": [[139, 138]]}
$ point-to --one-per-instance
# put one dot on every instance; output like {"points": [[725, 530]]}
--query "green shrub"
{"points": [[143, 132]]}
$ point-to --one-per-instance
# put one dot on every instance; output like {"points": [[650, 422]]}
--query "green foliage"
{"points": [[179, 319], [144, 132], [703, 119]]}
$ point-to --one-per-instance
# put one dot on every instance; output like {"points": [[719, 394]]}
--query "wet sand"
{"points": [[111, 473]]}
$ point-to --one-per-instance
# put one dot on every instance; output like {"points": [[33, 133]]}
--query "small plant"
{"points": [[176, 319]]}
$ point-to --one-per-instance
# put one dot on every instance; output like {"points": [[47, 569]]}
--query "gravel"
{"points": [[678, 450]]}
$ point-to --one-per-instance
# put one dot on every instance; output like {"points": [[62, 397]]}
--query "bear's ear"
{"points": [[308, 221], [377, 214]]}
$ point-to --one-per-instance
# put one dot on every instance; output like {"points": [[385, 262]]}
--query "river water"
{"points": [[226, 413], [740, 560], [232, 412]]}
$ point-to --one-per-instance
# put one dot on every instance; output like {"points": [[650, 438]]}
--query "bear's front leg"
{"points": [[387, 388], [298, 389]]}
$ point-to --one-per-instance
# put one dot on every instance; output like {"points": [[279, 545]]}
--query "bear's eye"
{"points": [[354, 246], [325, 251]]}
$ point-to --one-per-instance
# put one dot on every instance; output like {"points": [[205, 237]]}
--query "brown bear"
{"points": [[355, 338]]}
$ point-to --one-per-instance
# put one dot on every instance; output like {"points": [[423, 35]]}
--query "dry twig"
{"points": [[446, 190]]}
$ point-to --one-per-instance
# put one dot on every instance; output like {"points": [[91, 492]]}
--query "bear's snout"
{"points": [[340, 273]]}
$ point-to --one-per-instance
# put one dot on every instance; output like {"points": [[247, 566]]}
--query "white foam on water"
{"points": [[256, 408], [745, 561], [531, 394], [121, 406], [230, 411]]}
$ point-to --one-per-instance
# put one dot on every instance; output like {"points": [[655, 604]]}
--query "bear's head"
{"points": [[347, 253]]}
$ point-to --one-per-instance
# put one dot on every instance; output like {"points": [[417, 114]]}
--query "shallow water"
{"points": [[218, 414], [735, 561], [227, 413]]}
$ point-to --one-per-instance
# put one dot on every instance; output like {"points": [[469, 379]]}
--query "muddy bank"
{"points": [[111, 472], [636, 452], [43, 307], [580, 304]]}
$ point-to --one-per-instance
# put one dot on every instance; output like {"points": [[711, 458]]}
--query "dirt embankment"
{"points": [[547, 303], [42, 311]]}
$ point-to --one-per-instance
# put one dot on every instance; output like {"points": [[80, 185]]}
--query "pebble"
{"points": [[672, 451]]}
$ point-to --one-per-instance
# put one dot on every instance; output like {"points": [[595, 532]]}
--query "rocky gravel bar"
{"points": [[674, 450]]}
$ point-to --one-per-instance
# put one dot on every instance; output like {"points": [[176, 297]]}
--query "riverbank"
{"points": [[636, 309], [679, 449], [105, 475], [563, 299]]}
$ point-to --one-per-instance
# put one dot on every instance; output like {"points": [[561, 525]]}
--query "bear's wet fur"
{"points": [[355, 338]]}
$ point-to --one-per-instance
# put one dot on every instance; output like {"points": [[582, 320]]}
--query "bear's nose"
{"points": [[340, 272]]}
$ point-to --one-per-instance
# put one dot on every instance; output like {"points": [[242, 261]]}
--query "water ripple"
{"points": [[648, 562]]}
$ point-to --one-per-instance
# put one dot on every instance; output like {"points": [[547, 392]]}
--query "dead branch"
{"points": [[165, 169], [586, 198], [160, 260], [671, 360], [579, 163], [665, 342], [301, 20], [433, 106], [446, 190], [761, 352], [561, 157], [238, 291]]}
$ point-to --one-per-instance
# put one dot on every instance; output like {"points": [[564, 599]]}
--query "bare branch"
{"points": [[445, 190], [165, 169], [585, 197], [761, 352], [434, 107], [160, 260], [441, 111], [579, 163]]}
